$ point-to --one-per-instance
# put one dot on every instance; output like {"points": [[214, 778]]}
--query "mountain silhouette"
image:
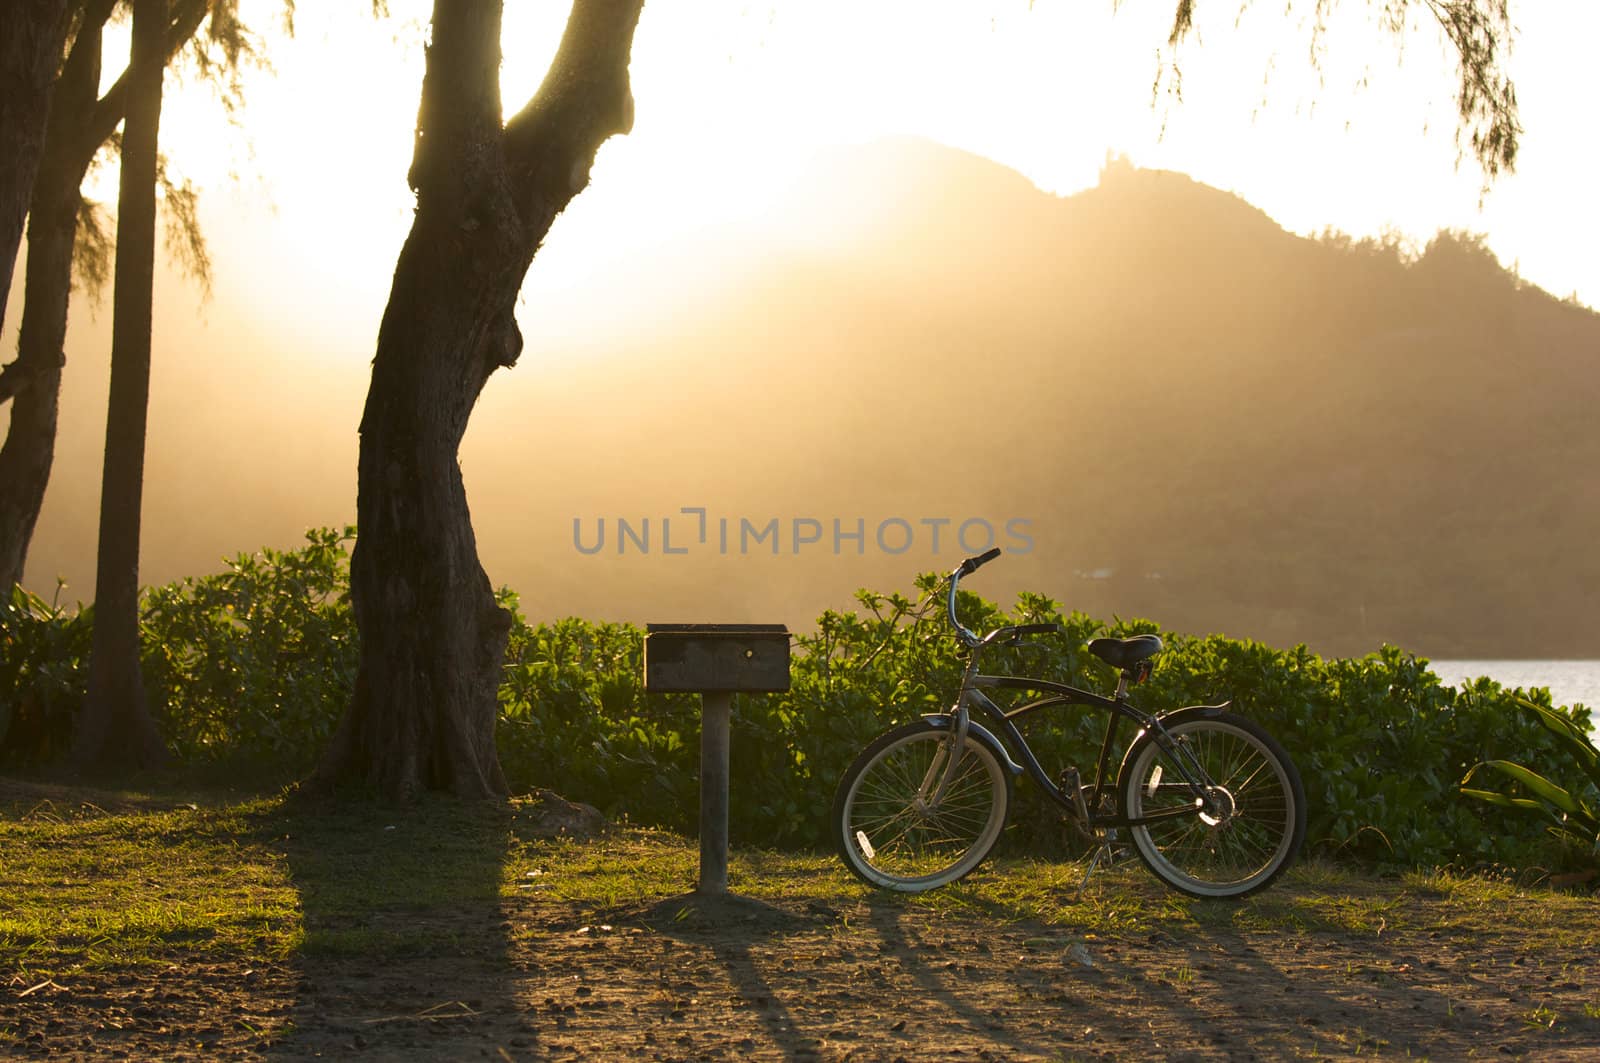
{"points": [[1203, 419], [1233, 427]]}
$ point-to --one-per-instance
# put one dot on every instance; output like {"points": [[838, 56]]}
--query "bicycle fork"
{"points": [[1200, 783], [942, 770]]}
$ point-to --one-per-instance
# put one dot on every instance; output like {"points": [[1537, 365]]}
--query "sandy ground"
{"points": [[690, 979]]}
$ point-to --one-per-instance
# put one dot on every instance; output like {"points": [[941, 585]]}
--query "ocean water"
{"points": [[1570, 682]]}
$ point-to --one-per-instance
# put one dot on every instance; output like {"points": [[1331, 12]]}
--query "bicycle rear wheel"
{"points": [[886, 826], [1248, 829]]}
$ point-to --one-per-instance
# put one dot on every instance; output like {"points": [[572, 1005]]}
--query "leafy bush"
{"points": [[574, 718], [258, 662], [1573, 811], [1379, 740], [255, 662], [42, 678]]}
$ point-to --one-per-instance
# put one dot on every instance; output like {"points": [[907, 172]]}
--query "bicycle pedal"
{"points": [[1076, 830]]}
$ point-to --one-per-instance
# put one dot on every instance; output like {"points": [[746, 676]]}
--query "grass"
{"points": [[88, 888], [141, 879], [1540, 1018]]}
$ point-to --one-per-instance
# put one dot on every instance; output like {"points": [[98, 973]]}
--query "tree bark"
{"points": [[29, 450], [114, 727], [32, 35], [432, 635], [33, 381]]}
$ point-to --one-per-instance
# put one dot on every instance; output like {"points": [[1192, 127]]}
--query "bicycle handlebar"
{"points": [[967, 637], [971, 639], [972, 564], [1024, 630]]}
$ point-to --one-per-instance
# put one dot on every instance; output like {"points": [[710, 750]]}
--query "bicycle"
{"points": [[1212, 804]]}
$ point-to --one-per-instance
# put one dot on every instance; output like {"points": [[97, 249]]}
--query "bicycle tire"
{"points": [[887, 841], [1254, 840]]}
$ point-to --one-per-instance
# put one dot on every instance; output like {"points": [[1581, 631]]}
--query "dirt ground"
{"points": [[689, 979]]}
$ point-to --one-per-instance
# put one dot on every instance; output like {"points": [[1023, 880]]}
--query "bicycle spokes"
{"points": [[1233, 827], [901, 831]]}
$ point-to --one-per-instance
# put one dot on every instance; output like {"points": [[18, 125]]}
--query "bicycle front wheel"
{"points": [[893, 827], [1242, 834]]}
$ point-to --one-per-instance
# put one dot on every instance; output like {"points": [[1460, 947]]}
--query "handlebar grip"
{"points": [[971, 564]]}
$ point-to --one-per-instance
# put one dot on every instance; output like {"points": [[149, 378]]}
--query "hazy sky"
{"points": [[306, 205], [730, 93]]}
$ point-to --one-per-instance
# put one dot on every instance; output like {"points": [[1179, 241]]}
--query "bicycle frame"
{"points": [[1061, 694], [1118, 707]]}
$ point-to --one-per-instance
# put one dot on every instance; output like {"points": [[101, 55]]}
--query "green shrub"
{"points": [[1380, 743], [43, 649], [253, 663], [257, 662], [574, 718], [1572, 810]]}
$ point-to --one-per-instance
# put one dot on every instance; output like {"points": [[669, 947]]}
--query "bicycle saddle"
{"points": [[1125, 653]]}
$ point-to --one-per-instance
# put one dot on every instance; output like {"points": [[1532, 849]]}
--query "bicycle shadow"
{"points": [[945, 969], [869, 978], [745, 936], [1235, 978]]}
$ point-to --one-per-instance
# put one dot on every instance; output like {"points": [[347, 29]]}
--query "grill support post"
{"points": [[715, 661], [716, 709]]}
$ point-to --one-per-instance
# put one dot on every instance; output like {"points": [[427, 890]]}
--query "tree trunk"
{"points": [[114, 727], [70, 142], [29, 449], [432, 636], [32, 33], [80, 123]]}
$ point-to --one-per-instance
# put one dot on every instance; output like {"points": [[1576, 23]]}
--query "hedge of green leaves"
{"points": [[255, 664]]}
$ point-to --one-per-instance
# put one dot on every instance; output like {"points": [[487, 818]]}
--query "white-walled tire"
{"points": [[1257, 825], [884, 829]]}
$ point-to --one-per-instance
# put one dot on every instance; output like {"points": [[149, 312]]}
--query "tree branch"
{"points": [[109, 111], [584, 99], [79, 81], [1480, 31], [16, 377], [1182, 22], [459, 116], [1486, 100]]}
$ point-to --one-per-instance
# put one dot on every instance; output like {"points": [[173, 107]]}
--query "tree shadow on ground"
{"points": [[404, 942], [884, 977], [742, 933]]}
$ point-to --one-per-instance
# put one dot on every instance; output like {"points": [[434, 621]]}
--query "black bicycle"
{"points": [[1211, 803]]}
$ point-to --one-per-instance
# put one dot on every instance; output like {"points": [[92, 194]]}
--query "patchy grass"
{"points": [[148, 878], [238, 922], [91, 888]]}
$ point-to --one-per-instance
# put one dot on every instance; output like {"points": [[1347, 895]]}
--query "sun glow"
{"points": [[305, 205], [307, 197]]}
